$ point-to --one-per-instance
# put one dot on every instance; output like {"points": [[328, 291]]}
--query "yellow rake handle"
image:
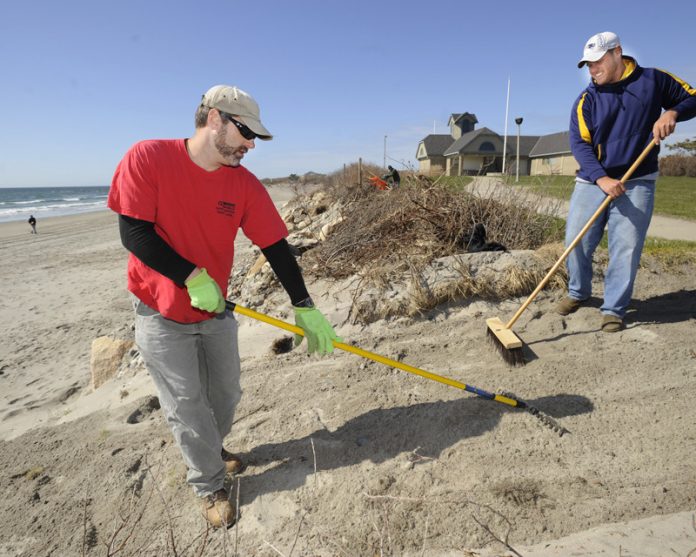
{"points": [[577, 239], [377, 358]]}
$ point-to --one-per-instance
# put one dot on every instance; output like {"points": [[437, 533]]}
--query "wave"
{"points": [[19, 203], [27, 202], [51, 210]]}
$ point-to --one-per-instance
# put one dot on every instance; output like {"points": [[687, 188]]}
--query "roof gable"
{"points": [[469, 142], [435, 145]]}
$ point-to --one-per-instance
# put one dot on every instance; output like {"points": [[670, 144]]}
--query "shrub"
{"points": [[678, 165]]}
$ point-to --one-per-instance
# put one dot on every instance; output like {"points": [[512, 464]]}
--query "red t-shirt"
{"points": [[196, 212]]}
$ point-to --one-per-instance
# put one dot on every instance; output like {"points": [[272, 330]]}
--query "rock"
{"points": [[329, 227], [106, 357], [301, 242]]}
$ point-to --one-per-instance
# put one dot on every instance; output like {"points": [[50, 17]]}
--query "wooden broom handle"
{"points": [[577, 239]]}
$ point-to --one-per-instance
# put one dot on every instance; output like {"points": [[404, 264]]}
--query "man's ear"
{"points": [[214, 121]]}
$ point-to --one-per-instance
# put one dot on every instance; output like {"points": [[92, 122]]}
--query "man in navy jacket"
{"points": [[614, 118]]}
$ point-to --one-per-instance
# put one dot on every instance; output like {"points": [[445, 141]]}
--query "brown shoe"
{"points": [[217, 509], [611, 323], [233, 463], [568, 305]]}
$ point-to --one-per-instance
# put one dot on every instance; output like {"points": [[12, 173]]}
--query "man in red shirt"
{"points": [[180, 203]]}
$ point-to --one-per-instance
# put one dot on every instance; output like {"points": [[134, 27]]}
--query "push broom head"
{"points": [[508, 343]]}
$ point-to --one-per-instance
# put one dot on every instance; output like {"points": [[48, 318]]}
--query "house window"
{"points": [[487, 146]]}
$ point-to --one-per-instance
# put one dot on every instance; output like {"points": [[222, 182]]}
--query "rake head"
{"points": [[545, 419]]}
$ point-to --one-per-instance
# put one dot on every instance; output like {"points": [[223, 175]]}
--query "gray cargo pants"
{"points": [[195, 367]]}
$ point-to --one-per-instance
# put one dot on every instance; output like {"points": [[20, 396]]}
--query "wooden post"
{"points": [[360, 170]]}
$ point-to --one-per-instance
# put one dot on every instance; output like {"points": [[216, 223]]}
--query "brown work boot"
{"points": [[233, 463], [611, 323], [217, 509], [568, 305]]}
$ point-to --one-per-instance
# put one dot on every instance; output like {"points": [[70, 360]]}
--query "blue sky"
{"points": [[83, 80]]}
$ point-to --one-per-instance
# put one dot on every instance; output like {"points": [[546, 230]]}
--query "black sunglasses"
{"points": [[244, 130]]}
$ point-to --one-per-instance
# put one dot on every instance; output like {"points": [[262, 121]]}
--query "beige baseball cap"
{"points": [[597, 46], [234, 101]]}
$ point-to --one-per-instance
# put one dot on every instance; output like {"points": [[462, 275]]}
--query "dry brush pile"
{"points": [[393, 231], [389, 241], [407, 250]]}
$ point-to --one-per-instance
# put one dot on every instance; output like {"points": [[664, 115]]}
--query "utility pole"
{"points": [[384, 164], [507, 105], [518, 121]]}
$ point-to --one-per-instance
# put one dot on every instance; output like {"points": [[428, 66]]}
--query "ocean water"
{"points": [[20, 203]]}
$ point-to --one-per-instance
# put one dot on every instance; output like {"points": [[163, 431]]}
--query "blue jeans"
{"points": [[627, 219]]}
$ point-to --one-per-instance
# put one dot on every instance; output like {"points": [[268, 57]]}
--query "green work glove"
{"points": [[205, 293], [317, 329]]}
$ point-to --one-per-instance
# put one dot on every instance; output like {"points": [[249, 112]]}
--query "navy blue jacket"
{"points": [[610, 125]]}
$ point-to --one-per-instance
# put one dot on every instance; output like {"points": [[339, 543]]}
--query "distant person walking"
{"points": [[614, 118], [32, 223]]}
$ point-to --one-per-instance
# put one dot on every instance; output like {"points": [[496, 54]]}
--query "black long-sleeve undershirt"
{"points": [[140, 238], [287, 270]]}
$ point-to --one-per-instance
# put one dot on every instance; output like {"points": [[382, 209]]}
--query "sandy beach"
{"points": [[347, 456]]}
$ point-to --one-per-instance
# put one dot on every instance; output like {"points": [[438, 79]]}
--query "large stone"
{"points": [[329, 227], [106, 357]]}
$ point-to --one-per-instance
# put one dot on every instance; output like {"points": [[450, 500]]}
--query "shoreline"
{"points": [[51, 224], [280, 193]]}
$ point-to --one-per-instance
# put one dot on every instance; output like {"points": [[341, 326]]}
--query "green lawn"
{"points": [[675, 195], [455, 182]]}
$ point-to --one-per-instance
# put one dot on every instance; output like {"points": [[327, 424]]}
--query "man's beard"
{"points": [[233, 155]]}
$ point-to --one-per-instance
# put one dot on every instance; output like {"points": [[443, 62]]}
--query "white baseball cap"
{"points": [[232, 100], [597, 46]]}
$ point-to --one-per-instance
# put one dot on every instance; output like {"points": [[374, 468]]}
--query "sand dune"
{"points": [[349, 457]]}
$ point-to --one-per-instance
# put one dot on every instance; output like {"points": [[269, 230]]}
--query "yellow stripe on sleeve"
{"points": [[584, 130], [688, 88]]}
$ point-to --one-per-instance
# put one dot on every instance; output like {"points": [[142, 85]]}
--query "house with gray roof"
{"points": [[467, 151]]}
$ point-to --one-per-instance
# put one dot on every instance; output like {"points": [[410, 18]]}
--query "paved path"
{"points": [[669, 228]]}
